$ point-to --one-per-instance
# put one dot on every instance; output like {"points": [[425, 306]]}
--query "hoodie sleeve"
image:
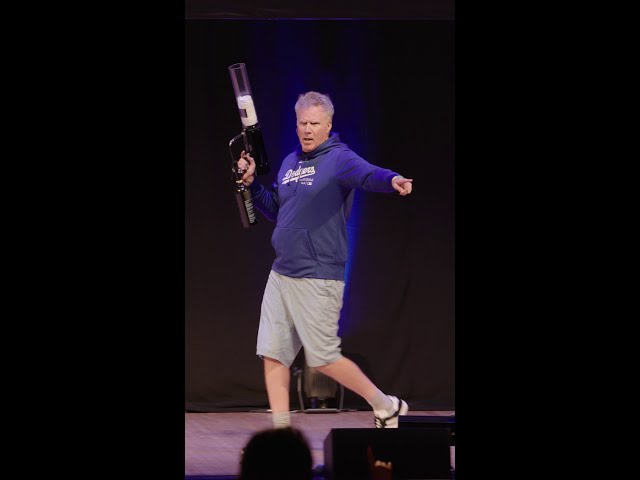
{"points": [[353, 171], [266, 201]]}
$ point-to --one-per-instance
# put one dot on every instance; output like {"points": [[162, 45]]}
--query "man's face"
{"points": [[313, 127]]}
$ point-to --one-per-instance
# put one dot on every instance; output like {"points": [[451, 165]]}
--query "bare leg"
{"points": [[277, 379], [347, 373]]}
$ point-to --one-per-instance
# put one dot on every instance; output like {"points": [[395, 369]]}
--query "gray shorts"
{"points": [[299, 312]]}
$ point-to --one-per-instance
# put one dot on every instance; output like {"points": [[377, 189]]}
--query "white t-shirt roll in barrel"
{"points": [[248, 113]]}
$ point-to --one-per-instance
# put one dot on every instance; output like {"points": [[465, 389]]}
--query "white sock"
{"points": [[381, 402], [281, 420]]}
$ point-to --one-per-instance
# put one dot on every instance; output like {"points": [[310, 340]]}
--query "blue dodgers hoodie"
{"points": [[310, 202]]}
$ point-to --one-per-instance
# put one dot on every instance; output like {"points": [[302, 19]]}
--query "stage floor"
{"points": [[213, 441]]}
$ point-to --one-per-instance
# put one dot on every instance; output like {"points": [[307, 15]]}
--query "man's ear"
{"points": [[329, 125]]}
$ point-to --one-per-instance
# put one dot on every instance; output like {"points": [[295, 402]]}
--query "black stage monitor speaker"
{"points": [[415, 453], [430, 421]]}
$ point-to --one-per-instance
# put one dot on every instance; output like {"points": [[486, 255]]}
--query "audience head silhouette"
{"points": [[276, 454]]}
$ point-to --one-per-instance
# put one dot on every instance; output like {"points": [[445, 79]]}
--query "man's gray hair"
{"points": [[315, 99]]}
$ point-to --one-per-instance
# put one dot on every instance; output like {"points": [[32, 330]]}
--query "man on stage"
{"points": [[310, 203]]}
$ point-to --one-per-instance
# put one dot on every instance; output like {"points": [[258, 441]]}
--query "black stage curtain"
{"points": [[392, 83]]}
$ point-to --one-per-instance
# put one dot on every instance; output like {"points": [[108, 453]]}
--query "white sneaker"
{"points": [[382, 418]]}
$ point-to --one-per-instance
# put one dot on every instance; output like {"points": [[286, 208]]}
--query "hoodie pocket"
{"points": [[294, 250]]}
